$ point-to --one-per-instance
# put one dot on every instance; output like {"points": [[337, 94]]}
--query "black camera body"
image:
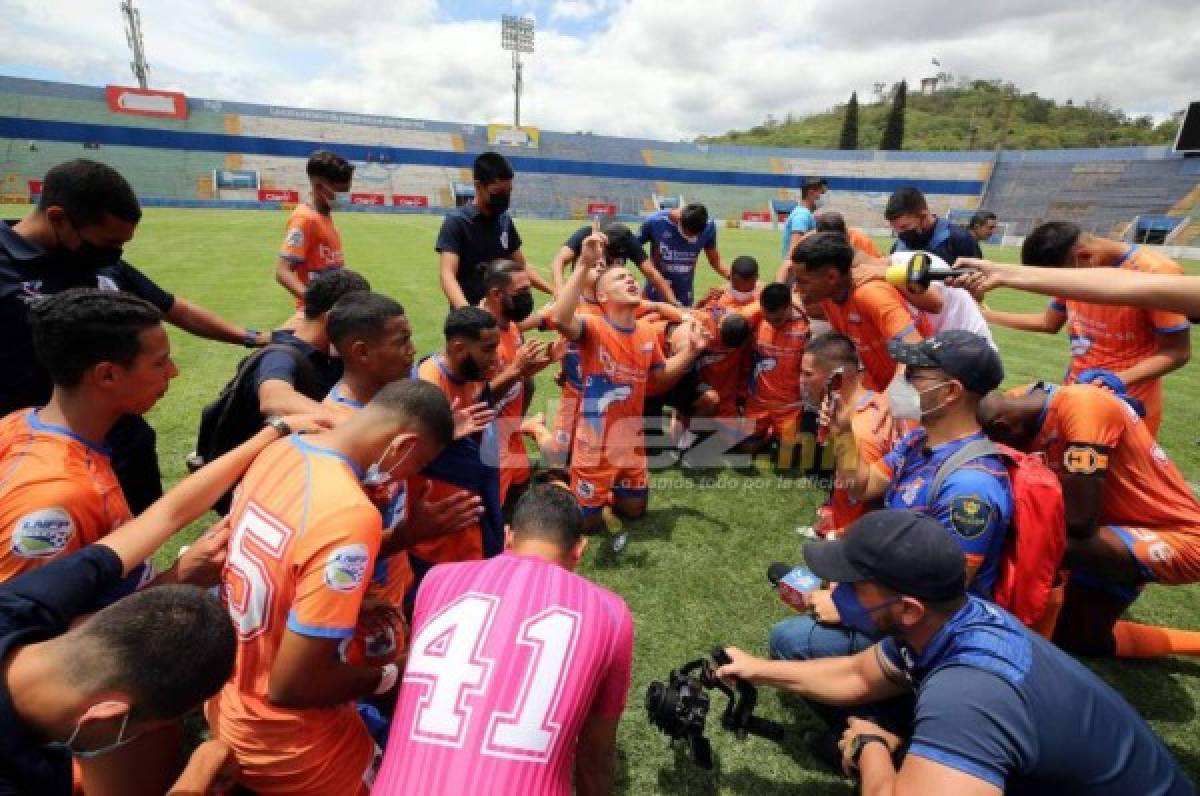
{"points": [[679, 707]]}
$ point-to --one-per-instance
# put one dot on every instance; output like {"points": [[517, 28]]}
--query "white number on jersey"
{"points": [[249, 597]]}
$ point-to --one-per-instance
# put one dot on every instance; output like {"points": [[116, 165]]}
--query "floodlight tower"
{"points": [[133, 35], [516, 35]]}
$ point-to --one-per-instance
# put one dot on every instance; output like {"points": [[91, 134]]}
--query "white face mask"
{"points": [[341, 198], [821, 201], [741, 295], [905, 400], [376, 476]]}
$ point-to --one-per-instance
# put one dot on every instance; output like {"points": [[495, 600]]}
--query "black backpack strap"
{"points": [[976, 449]]}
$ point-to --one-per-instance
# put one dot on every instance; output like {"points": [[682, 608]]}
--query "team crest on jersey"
{"points": [[42, 534], [295, 238], [346, 567], [1080, 345], [647, 347], [585, 489], [106, 283]]}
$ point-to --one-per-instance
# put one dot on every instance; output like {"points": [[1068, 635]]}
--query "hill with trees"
{"points": [[963, 116]]}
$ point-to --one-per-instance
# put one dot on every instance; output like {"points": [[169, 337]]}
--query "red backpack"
{"points": [[1033, 550]]}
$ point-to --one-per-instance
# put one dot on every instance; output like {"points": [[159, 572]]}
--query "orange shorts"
{"points": [[774, 423], [1163, 556], [342, 762], [596, 486]]}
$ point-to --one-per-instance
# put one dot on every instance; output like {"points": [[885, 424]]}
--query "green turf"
{"points": [[693, 573]]}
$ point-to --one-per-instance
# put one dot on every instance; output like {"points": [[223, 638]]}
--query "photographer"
{"points": [[997, 707]]}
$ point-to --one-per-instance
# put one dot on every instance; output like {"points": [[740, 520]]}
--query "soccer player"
{"points": [[775, 399], [109, 356], [917, 229], [479, 231], [74, 238], [743, 288], [1131, 517], [619, 359], [622, 248], [508, 299], [462, 371], [311, 243], [860, 421], [801, 221], [373, 336], [872, 314], [519, 669], [982, 225], [149, 658], [997, 709], [1125, 349], [305, 539], [832, 221], [676, 238], [722, 370]]}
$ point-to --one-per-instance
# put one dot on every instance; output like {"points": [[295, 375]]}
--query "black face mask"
{"points": [[915, 239], [519, 306], [470, 369], [91, 257], [497, 203]]}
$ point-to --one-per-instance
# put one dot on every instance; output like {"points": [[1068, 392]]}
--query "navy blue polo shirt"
{"points": [[281, 366], [949, 241], [27, 272], [476, 238], [1004, 705], [37, 606]]}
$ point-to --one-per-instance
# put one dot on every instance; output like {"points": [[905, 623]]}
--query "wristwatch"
{"points": [[860, 742], [250, 338], [279, 424]]}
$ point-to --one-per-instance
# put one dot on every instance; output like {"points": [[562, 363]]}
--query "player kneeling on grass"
{"points": [[997, 708], [519, 669], [619, 359], [1131, 517], [305, 540], [775, 401]]}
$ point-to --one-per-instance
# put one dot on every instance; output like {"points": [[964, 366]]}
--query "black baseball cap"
{"points": [[965, 356], [907, 552]]}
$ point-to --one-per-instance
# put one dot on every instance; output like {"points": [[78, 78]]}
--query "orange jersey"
{"points": [[1086, 430], [339, 404], [311, 243], [465, 544], [1116, 338], [58, 493], [874, 432], [305, 538], [510, 411], [862, 242], [775, 378], [614, 367], [721, 368], [872, 316]]}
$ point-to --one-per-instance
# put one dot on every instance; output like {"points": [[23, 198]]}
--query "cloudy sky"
{"points": [[649, 68]]}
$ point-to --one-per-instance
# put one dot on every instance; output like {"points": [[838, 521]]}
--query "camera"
{"points": [[679, 707]]}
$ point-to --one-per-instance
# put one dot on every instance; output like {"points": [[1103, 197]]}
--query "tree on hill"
{"points": [[849, 137], [893, 131]]}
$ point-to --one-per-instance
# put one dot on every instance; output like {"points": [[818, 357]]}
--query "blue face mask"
{"points": [[91, 754], [853, 613]]}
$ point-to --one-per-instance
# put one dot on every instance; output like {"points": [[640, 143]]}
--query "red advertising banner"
{"points": [[35, 187], [366, 199], [277, 195], [756, 215], [602, 208], [407, 200], [146, 102]]}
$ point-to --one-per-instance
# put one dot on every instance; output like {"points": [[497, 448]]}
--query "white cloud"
{"points": [[643, 68]]}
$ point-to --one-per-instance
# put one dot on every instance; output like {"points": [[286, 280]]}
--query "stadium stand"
{"points": [[239, 154]]}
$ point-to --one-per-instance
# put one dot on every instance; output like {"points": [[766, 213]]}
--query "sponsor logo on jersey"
{"points": [[42, 534], [347, 567]]}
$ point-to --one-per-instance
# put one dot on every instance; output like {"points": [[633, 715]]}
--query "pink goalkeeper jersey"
{"points": [[509, 657]]}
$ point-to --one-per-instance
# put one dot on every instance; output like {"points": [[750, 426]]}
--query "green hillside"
{"points": [[966, 116]]}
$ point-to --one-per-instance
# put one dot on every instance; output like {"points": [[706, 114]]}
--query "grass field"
{"points": [[693, 573]]}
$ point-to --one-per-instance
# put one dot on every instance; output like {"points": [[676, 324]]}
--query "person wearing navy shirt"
{"points": [[917, 229], [480, 231], [676, 238], [74, 238], [998, 709], [947, 376]]}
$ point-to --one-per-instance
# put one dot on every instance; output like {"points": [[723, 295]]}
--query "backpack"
{"points": [[1036, 542], [234, 416]]}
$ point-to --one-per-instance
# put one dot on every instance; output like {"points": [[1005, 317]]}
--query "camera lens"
{"points": [[655, 694]]}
